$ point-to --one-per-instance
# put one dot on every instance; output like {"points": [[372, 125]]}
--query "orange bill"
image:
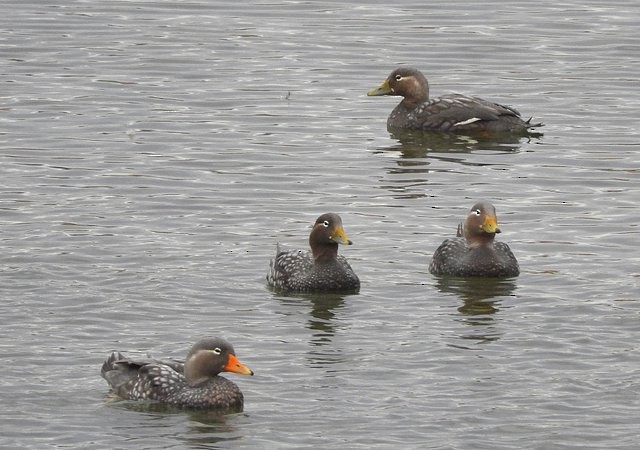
{"points": [[234, 365]]}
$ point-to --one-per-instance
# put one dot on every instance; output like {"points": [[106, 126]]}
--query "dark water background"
{"points": [[153, 153]]}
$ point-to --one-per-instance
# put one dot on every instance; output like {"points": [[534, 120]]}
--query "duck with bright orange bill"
{"points": [[194, 383], [322, 270], [451, 113], [474, 251]]}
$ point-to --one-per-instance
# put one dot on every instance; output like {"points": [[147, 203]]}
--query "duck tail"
{"points": [[117, 369], [532, 124], [110, 363]]}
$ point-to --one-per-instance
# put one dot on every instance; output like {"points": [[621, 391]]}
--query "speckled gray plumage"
{"points": [[194, 383], [455, 257], [160, 381], [295, 271], [322, 269], [474, 252]]}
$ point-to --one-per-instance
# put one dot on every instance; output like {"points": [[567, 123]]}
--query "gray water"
{"points": [[153, 153]]}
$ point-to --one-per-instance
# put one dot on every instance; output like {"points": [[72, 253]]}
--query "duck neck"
{"points": [[197, 371], [480, 240], [325, 252], [417, 94]]}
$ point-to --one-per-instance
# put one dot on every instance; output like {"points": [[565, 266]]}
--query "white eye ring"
{"points": [[325, 223], [477, 212], [217, 350], [398, 77]]}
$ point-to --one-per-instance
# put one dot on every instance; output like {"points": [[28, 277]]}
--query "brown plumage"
{"points": [[451, 113]]}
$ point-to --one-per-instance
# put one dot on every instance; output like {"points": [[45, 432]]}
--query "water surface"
{"points": [[153, 153]]}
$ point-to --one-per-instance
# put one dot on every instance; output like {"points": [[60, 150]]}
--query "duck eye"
{"points": [[398, 77], [325, 223], [217, 350], [477, 212]]}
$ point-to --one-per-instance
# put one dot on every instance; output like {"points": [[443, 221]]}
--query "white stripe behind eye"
{"points": [[467, 122]]}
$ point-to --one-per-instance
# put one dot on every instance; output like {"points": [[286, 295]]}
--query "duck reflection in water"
{"points": [[418, 150], [322, 315], [480, 303], [322, 324], [476, 293], [209, 430], [418, 143], [208, 427]]}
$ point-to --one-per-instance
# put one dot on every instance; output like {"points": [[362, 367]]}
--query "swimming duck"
{"points": [[194, 383], [322, 270], [474, 252], [452, 113]]}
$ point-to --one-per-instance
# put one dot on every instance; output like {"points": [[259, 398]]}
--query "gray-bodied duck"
{"points": [[474, 251], [450, 113], [193, 384], [322, 269]]}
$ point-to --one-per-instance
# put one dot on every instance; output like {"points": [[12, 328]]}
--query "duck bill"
{"points": [[490, 225], [234, 365], [383, 89], [341, 237]]}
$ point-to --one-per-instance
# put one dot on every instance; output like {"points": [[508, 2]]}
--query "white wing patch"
{"points": [[467, 122]]}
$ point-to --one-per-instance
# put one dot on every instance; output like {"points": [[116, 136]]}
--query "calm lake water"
{"points": [[153, 153]]}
